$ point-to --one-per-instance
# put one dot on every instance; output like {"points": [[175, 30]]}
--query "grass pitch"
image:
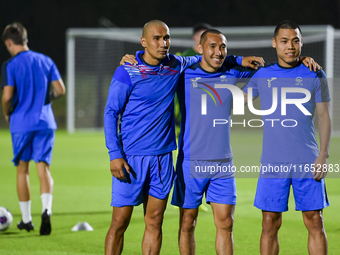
{"points": [[82, 192]]}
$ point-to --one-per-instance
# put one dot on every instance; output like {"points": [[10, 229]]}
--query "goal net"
{"points": [[94, 54]]}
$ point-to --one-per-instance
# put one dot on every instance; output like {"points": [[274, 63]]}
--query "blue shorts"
{"points": [[188, 192], [36, 145], [149, 175], [272, 194]]}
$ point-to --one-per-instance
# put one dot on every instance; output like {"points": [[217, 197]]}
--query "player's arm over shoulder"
{"points": [[232, 60], [243, 72], [186, 62]]}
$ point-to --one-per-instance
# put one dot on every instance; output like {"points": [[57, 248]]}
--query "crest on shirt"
{"points": [[194, 81], [270, 81], [224, 78], [298, 81]]}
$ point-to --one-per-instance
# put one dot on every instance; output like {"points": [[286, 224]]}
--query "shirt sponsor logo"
{"points": [[194, 81], [224, 78], [270, 81]]}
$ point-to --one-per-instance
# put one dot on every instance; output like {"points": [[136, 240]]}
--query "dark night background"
{"points": [[47, 20]]}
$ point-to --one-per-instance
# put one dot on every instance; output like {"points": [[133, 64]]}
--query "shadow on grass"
{"points": [[6, 233], [60, 231], [69, 213], [17, 235]]}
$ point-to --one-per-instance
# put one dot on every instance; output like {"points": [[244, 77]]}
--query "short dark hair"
{"points": [[206, 32], [200, 26], [16, 32], [287, 24]]}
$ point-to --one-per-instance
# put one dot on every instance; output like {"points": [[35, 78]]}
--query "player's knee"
{"points": [[23, 170], [189, 222], [119, 223], [226, 223], [313, 221], [154, 221], [271, 222]]}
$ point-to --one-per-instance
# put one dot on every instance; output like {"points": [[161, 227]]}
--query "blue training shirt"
{"points": [[289, 136], [143, 96], [199, 139], [31, 74]]}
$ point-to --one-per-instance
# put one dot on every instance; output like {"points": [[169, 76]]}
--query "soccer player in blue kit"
{"points": [[141, 154], [26, 102], [291, 145], [203, 146]]}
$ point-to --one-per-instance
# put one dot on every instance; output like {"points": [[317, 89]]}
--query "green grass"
{"points": [[80, 169]]}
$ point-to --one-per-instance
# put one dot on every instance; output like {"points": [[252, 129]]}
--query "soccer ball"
{"points": [[6, 219]]}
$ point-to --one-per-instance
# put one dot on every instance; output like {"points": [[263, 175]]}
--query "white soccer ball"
{"points": [[6, 219]]}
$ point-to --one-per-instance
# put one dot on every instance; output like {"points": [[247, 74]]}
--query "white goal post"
{"points": [[94, 54]]}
